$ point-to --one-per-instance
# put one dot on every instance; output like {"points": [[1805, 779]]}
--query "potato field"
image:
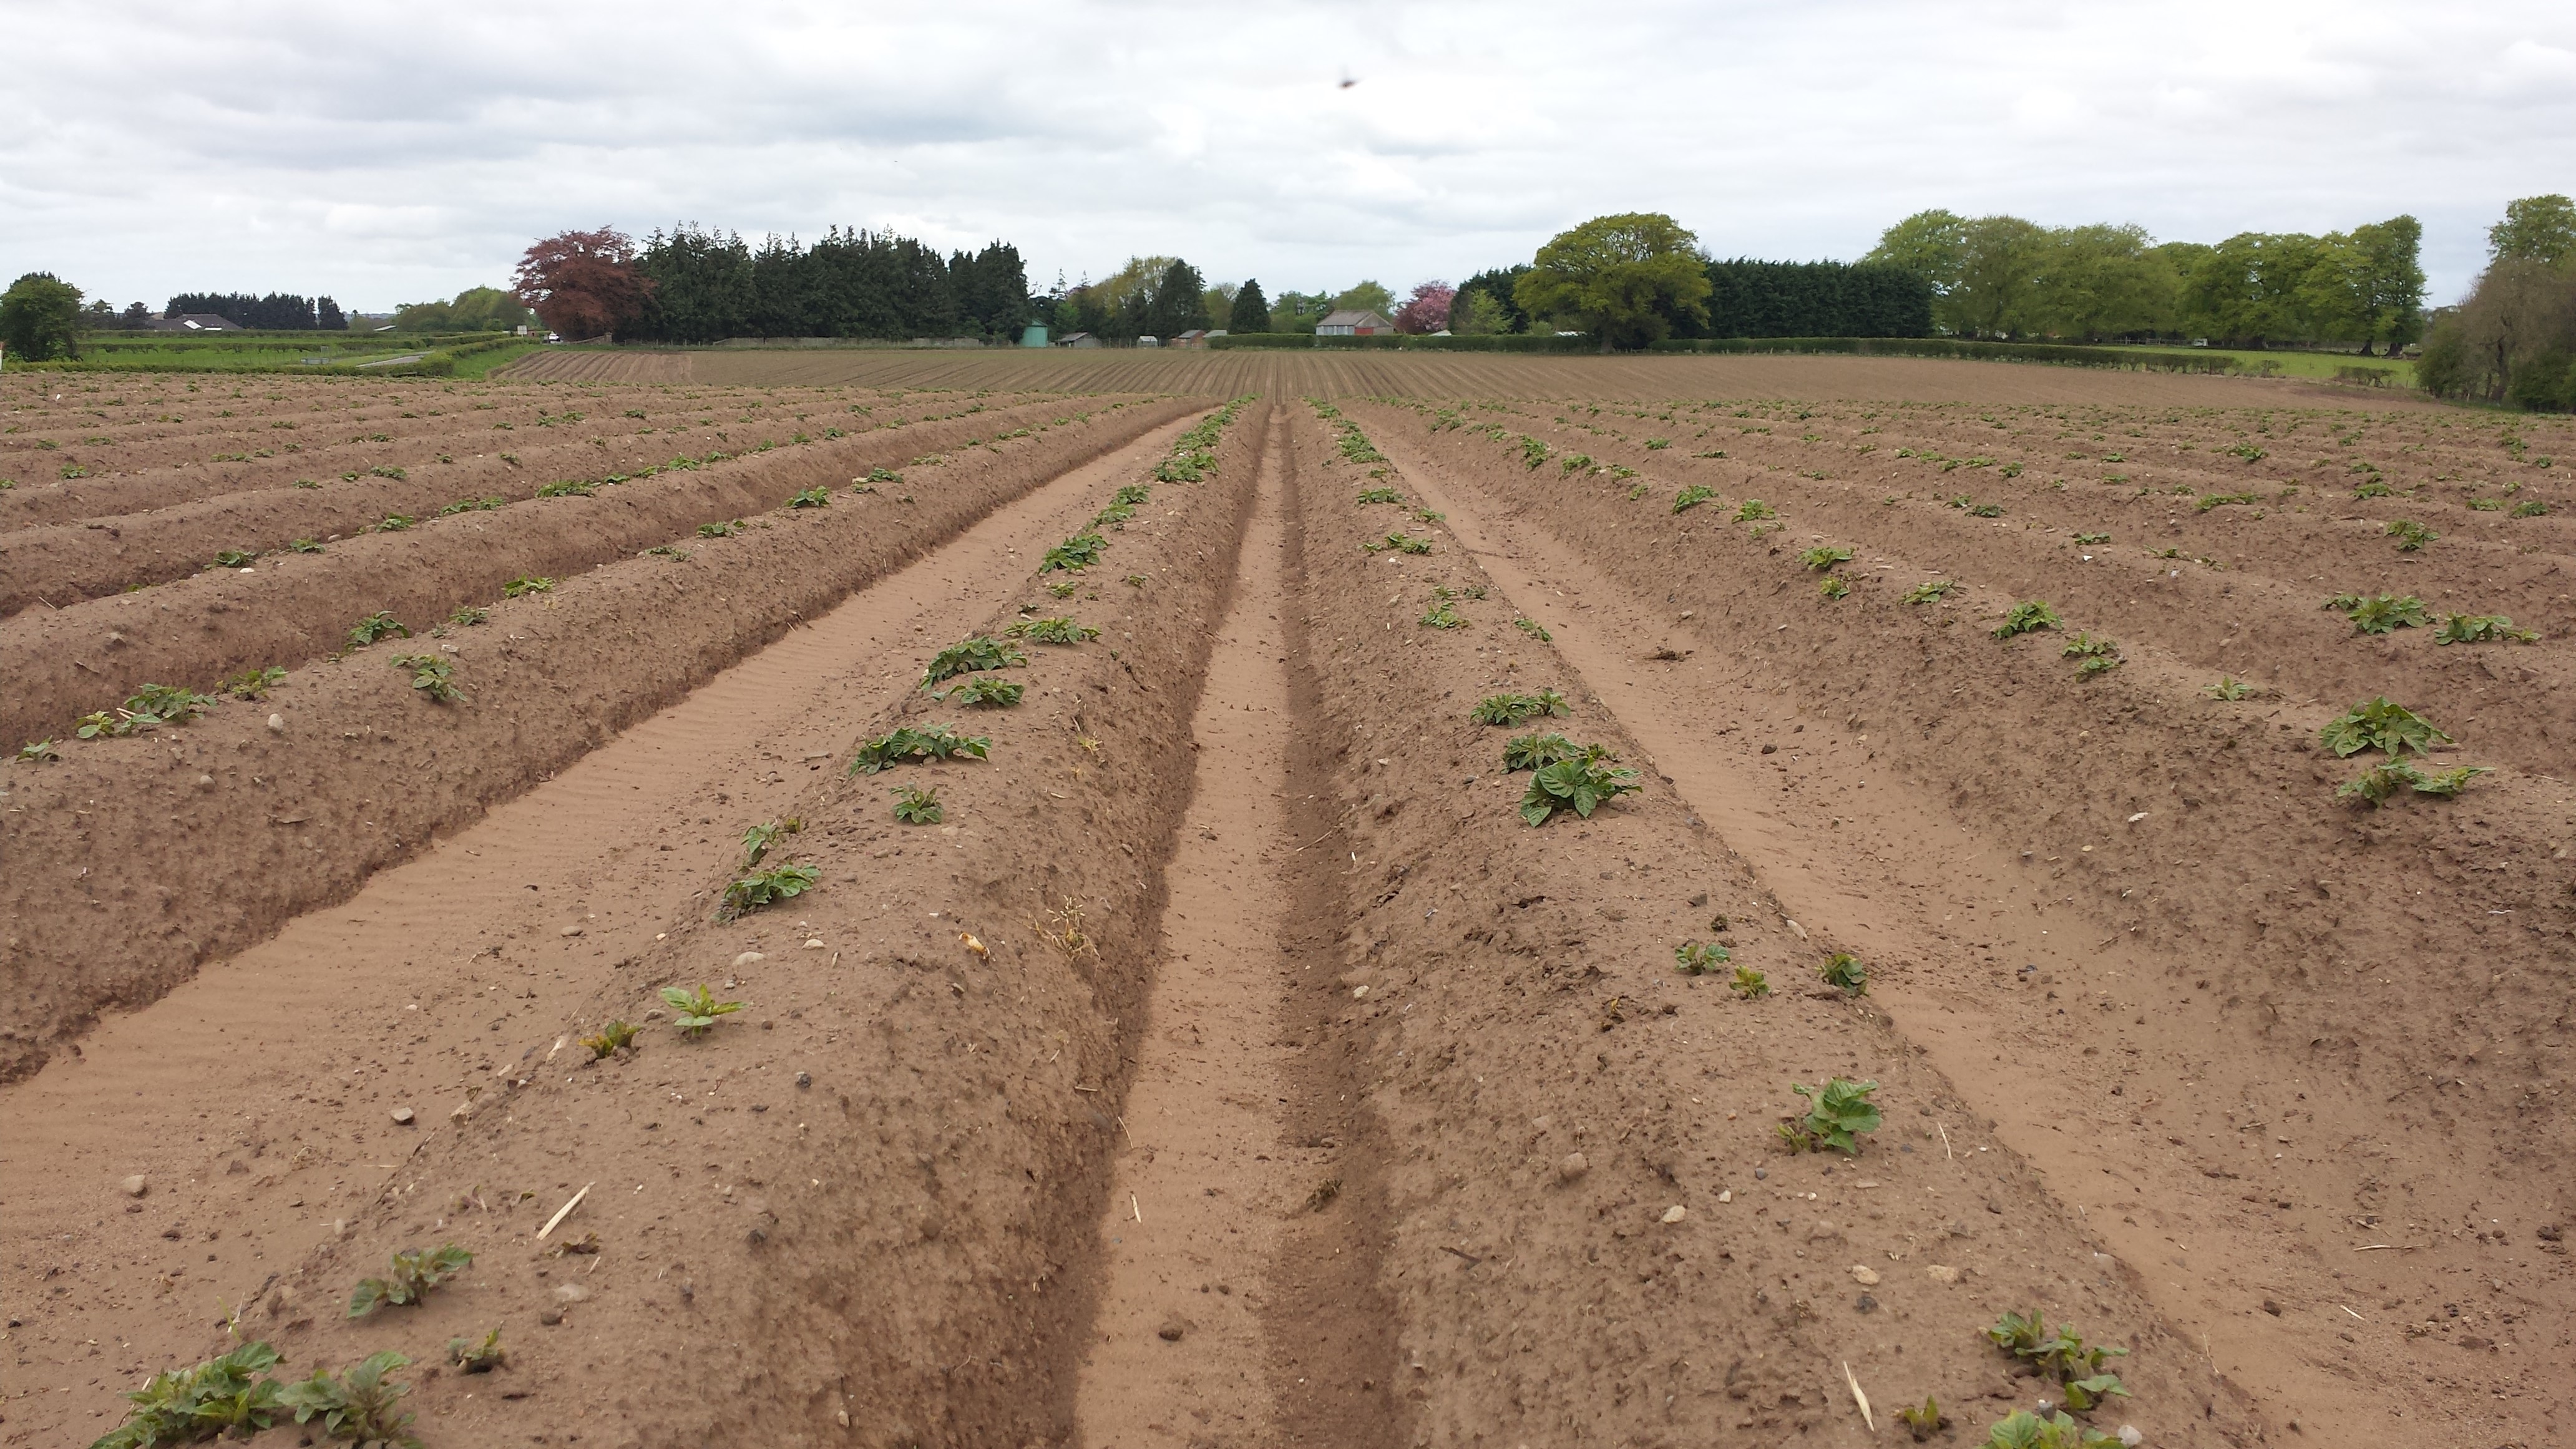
{"points": [[905, 898]]}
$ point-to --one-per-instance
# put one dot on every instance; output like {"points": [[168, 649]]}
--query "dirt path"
{"points": [[1179, 1353], [2272, 1302], [397, 999]]}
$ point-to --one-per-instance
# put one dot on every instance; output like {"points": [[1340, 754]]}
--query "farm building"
{"points": [[1349, 323], [194, 322], [1077, 339]]}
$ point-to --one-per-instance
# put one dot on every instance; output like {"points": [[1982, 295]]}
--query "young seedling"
{"points": [[941, 742], [2100, 656], [609, 1040], [473, 505], [2089, 539], [1400, 543], [880, 475], [392, 523], [1824, 557], [1754, 509], [39, 752], [478, 1358], [1926, 1421], [1441, 616], [569, 488], [2410, 535], [1837, 1113], [1581, 785], [149, 707], [361, 1405], [2376, 724], [305, 545], [469, 616], [1052, 631], [235, 558], [914, 805], [757, 888], [1063, 590], [430, 675], [1380, 495], [1113, 516], [1512, 709], [2022, 1429], [720, 530], [2027, 616], [1692, 497], [2209, 501], [255, 683], [693, 1012], [1078, 552], [2374, 786], [413, 1274], [1698, 958], [1533, 452], [816, 497], [1533, 629], [1749, 983], [1131, 495], [2482, 629], [377, 626], [986, 693], [1833, 587], [2229, 687], [1844, 972], [527, 584], [2529, 508], [2371, 488], [1928, 593]]}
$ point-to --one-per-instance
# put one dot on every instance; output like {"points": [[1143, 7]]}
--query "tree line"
{"points": [[2009, 278], [275, 312], [2513, 338]]}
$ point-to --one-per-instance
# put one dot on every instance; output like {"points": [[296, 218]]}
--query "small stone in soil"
{"points": [[1573, 1166], [1171, 1330], [136, 1185], [551, 1317], [402, 1116]]}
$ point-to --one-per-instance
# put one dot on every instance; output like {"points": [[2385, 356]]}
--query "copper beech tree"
{"points": [[583, 283]]}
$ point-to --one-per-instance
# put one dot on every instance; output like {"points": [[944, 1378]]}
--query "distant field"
{"points": [[471, 355], [1416, 374], [2303, 364]]}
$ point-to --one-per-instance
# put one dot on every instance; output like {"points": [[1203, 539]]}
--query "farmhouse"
{"points": [[1350, 323], [1077, 339], [194, 322]]}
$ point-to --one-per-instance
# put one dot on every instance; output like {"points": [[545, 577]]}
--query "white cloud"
{"points": [[385, 154]]}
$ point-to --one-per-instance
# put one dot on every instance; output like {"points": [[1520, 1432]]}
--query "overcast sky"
{"points": [[392, 153]]}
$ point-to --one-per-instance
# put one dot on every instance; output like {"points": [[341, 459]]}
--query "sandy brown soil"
{"points": [[1489, 375], [2172, 1047]]}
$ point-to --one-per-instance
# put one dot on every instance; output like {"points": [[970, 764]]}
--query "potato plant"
{"points": [[694, 1012], [1926, 593], [412, 1275], [2029, 615], [1536, 751], [2100, 656], [1692, 497], [2376, 724], [1533, 629], [2410, 535], [985, 693], [231, 1394], [1749, 983], [1753, 510], [360, 1405], [1380, 495], [380, 625], [148, 708], [941, 742], [527, 584], [1441, 616], [1824, 557], [756, 888], [914, 805], [1844, 972], [431, 675], [254, 684], [1052, 631], [609, 1040], [1837, 1114], [2229, 687], [1400, 543], [2382, 614], [471, 1357], [815, 497], [1078, 552], [1698, 958], [1580, 785], [1512, 709], [2482, 629], [969, 656]]}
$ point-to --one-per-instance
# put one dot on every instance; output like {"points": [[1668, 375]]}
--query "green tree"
{"points": [[1623, 278], [1928, 244], [2252, 289], [2535, 229], [1477, 314], [1251, 310], [2000, 290], [2367, 284], [2103, 281], [1367, 297], [39, 315]]}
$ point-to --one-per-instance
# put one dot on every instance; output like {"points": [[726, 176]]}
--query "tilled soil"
{"points": [[1231, 1063]]}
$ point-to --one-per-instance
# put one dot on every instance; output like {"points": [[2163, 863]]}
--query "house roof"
{"points": [[196, 322], [1351, 318]]}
